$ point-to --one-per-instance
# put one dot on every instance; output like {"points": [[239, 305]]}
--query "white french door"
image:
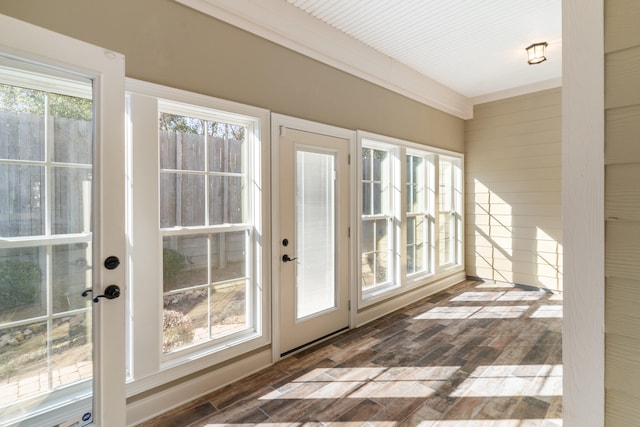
{"points": [[313, 237], [62, 243]]}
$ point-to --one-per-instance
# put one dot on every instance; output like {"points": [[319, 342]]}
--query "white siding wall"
{"points": [[622, 210], [513, 180]]}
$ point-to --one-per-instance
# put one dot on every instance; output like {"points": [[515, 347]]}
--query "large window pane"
{"points": [[228, 256], [378, 198], [182, 199], [367, 159], [226, 199], [379, 157], [72, 128], [22, 118], [229, 308], [21, 200], [184, 262], [315, 232], [185, 319], [71, 268], [367, 208], [23, 292], [71, 200], [226, 149], [184, 266], [71, 349], [181, 142], [375, 253]]}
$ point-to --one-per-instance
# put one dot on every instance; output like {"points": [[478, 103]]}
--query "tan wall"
{"points": [[512, 190], [622, 210], [167, 43]]}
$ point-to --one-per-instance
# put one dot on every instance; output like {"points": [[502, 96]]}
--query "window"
{"points": [[450, 211], [207, 279], [199, 240], [406, 237], [419, 217], [377, 219], [46, 169]]}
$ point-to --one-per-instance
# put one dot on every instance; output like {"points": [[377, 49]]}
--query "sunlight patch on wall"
{"points": [[549, 262]]}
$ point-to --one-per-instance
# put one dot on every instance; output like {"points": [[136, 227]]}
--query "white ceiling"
{"points": [[448, 54], [475, 47]]}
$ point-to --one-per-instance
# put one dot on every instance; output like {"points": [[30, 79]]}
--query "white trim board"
{"points": [[276, 21], [583, 342]]}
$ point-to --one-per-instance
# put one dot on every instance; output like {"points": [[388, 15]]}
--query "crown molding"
{"points": [[277, 21], [516, 91]]}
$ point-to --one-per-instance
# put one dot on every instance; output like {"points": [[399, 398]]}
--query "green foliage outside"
{"points": [[19, 284], [28, 101], [173, 262], [191, 125]]}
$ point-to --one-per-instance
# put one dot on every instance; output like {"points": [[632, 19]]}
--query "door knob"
{"points": [[110, 292], [287, 258]]}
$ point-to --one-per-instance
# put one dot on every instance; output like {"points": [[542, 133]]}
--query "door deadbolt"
{"points": [[111, 262]]}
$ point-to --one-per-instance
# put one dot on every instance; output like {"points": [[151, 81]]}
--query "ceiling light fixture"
{"points": [[537, 52]]}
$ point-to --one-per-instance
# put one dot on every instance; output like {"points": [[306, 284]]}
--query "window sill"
{"points": [[383, 294], [196, 361]]}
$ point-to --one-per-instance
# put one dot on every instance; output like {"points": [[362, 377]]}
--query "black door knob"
{"points": [[110, 292]]}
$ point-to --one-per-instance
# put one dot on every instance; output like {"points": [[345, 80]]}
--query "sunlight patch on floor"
{"points": [[337, 383], [512, 380], [475, 312]]}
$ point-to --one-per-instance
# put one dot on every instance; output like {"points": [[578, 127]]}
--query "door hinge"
{"points": [[349, 304], [282, 130], [349, 232], [348, 159]]}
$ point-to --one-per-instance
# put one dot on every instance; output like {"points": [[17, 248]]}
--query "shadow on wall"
{"points": [[513, 237]]}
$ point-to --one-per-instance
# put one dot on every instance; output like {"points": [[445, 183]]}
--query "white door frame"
{"points": [[106, 68], [278, 121]]}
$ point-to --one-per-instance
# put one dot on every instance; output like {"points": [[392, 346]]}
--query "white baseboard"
{"points": [[376, 311], [185, 392]]}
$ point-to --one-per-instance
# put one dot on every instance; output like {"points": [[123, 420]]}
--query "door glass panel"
{"points": [[46, 155], [21, 199], [315, 233], [71, 200]]}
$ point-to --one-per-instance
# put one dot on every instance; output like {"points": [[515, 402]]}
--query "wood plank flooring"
{"points": [[476, 355]]}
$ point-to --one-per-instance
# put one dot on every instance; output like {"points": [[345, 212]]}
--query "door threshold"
{"points": [[316, 341]]}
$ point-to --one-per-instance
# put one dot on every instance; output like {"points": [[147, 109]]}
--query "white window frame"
{"points": [[456, 210], [148, 366], [428, 213], [403, 282], [389, 213]]}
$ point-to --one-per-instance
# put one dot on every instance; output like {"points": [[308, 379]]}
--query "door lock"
{"points": [[111, 262]]}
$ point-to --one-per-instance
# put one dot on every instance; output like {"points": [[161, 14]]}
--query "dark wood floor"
{"points": [[476, 355]]}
